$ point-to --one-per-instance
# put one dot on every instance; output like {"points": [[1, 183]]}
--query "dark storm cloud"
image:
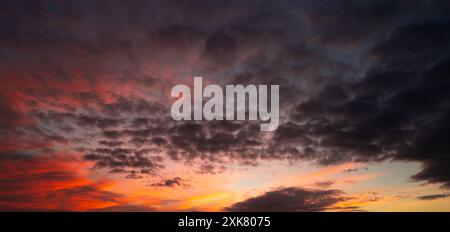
{"points": [[196, 138], [290, 200], [348, 22], [399, 111], [362, 81], [425, 44]]}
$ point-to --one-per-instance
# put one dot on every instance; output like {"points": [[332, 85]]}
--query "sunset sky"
{"points": [[85, 102]]}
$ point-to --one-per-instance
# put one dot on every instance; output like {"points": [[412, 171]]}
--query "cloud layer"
{"points": [[360, 81]]}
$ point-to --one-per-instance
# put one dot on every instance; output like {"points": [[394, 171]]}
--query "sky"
{"points": [[85, 102]]}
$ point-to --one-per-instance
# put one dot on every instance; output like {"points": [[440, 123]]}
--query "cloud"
{"points": [[360, 82], [354, 169], [432, 197], [126, 208], [172, 182], [49, 183], [78, 198], [347, 22], [291, 199], [392, 113], [324, 184], [124, 158]]}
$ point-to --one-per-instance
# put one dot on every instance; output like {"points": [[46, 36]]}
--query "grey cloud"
{"points": [[384, 96], [324, 184], [173, 182], [290, 200], [432, 197]]}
